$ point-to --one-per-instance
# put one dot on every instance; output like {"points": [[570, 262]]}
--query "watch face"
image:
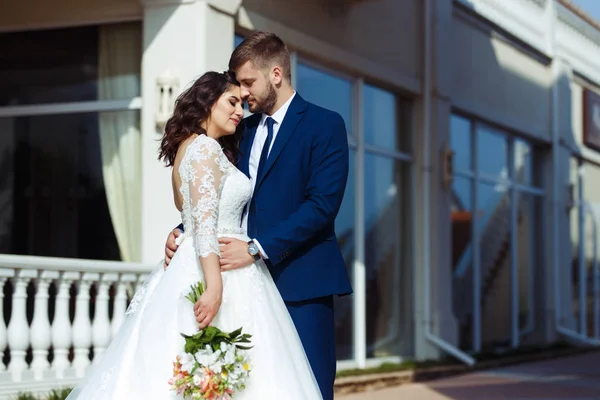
{"points": [[253, 249]]}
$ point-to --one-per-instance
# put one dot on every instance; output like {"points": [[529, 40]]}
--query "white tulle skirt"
{"points": [[138, 362]]}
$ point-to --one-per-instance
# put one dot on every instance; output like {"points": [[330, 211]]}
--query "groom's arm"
{"points": [[325, 191]]}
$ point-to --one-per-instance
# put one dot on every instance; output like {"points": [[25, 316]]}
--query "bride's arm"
{"points": [[205, 192]]}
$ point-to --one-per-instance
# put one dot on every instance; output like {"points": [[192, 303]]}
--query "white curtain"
{"points": [[119, 78]]}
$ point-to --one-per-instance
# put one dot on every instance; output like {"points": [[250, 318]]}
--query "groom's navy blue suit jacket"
{"points": [[296, 199]]}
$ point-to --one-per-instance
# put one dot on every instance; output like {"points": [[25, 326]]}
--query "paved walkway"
{"points": [[572, 378]]}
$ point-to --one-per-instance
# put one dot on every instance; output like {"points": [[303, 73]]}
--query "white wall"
{"points": [[377, 38], [498, 82], [189, 39]]}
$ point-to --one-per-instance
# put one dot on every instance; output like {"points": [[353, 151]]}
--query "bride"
{"points": [[200, 143]]}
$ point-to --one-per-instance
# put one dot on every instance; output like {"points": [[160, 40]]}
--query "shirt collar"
{"points": [[280, 113]]}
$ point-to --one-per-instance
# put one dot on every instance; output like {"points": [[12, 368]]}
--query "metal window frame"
{"points": [[514, 189], [32, 110], [356, 141]]}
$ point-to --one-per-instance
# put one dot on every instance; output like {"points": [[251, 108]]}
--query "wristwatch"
{"points": [[253, 250]]}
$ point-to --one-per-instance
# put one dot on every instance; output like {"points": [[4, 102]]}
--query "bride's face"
{"points": [[227, 113]]}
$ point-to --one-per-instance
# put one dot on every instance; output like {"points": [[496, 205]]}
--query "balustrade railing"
{"points": [[56, 314]]}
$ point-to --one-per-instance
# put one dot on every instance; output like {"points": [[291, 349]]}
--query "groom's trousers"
{"points": [[314, 321]]}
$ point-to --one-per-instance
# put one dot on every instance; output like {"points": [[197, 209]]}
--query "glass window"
{"points": [[530, 216], [52, 181], [326, 90], [493, 219], [66, 65], [492, 152], [495, 252], [344, 228], [386, 119], [462, 252], [461, 143], [387, 256]]}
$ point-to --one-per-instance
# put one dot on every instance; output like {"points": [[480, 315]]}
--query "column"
{"points": [[187, 39], [438, 243]]}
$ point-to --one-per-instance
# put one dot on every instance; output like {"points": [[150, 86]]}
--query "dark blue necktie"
{"points": [[265, 150]]}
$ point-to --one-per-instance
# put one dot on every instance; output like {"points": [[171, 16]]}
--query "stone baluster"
{"points": [[40, 326], [121, 302], [82, 327], [4, 273], [140, 280], [18, 328], [101, 326], [61, 326]]}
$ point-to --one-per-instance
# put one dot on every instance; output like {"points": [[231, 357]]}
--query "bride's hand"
{"points": [[207, 306]]}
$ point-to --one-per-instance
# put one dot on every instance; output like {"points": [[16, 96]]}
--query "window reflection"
{"points": [[493, 217], [66, 65], [461, 143], [66, 197], [326, 90], [495, 252], [387, 230], [385, 120], [462, 255], [524, 161], [492, 152]]}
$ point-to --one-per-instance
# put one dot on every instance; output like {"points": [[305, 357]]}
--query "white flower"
{"points": [[230, 356], [187, 362]]}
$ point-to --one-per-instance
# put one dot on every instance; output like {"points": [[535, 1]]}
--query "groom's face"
{"points": [[257, 88]]}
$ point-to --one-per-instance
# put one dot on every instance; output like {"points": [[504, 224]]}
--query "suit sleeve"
{"points": [[324, 193]]}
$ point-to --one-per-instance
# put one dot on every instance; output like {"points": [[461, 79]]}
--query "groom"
{"points": [[296, 155]]}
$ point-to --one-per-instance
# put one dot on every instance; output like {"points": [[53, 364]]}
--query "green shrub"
{"points": [[54, 394]]}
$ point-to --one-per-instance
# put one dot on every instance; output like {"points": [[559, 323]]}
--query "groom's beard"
{"points": [[267, 102]]}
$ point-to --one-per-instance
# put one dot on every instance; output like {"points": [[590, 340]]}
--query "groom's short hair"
{"points": [[263, 50]]}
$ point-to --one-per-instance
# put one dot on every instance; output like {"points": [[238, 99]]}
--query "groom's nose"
{"points": [[245, 93]]}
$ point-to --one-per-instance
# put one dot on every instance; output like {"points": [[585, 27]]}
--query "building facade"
{"points": [[469, 219]]}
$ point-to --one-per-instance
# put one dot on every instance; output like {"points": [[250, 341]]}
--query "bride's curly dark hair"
{"points": [[192, 108]]}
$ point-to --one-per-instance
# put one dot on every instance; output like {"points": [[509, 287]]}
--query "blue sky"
{"points": [[592, 7]]}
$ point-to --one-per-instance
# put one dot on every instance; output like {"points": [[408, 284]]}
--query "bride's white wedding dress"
{"points": [[138, 362]]}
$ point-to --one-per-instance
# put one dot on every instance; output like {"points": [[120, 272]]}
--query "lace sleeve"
{"points": [[207, 176]]}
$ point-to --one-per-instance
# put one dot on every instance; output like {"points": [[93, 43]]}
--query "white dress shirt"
{"points": [[257, 146]]}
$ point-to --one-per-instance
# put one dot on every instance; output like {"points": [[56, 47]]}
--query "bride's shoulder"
{"points": [[202, 147]]}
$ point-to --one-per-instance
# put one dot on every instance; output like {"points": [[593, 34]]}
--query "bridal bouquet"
{"points": [[214, 364]]}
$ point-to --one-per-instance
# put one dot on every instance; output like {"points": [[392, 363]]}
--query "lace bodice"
{"points": [[214, 194]]}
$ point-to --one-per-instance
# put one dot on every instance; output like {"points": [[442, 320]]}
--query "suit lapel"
{"points": [[293, 116]]}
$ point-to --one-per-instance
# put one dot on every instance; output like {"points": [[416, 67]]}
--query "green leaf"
{"points": [[235, 333]]}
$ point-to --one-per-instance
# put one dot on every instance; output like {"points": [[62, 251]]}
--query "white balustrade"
{"points": [[40, 326], [101, 331], [18, 328], [121, 302], [4, 274], [61, 326], [82, 328], [65, 331]]}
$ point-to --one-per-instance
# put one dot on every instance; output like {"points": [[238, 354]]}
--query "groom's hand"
{"points": [[171, 246], [234, 254]]}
